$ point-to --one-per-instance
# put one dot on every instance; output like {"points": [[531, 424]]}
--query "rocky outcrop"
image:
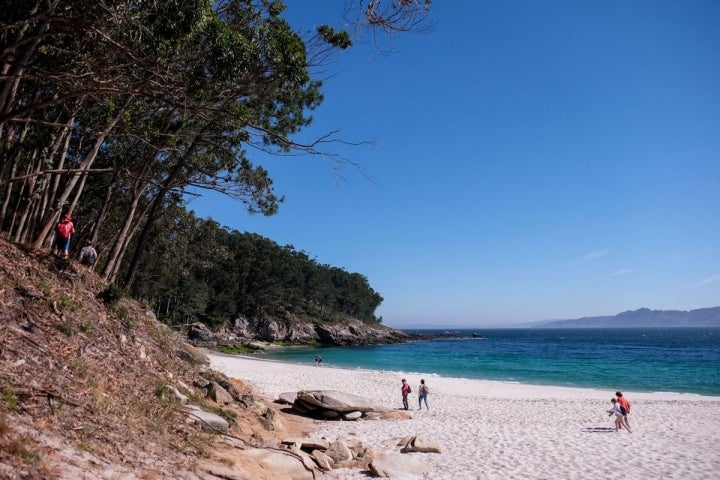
{"points": [[394, 465], [352, 454], [331, 404], [251, 332], [294, 330]]}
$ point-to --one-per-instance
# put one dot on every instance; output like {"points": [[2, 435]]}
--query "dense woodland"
{"points": [[112, 111]]}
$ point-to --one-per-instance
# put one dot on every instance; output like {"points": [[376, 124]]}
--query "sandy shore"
{"points": [[495, 430]]}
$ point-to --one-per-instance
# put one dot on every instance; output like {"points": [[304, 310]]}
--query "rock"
{"points": [[395, 465], [219, 394], [191, 355], [352, 416], [339, 451], [323, 461], [270, 421], [207, 421], [336, 401], [356, 446], [306, 459], [276, 465], [394, 415], [200, 334], [365, 458], [212, 376], [295, 330], [403, 442], [182, 399], [308, 443], [287, 398], [422, 444]]}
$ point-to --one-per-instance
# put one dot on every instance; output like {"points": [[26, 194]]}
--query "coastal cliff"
{"points": [[298, 331]]}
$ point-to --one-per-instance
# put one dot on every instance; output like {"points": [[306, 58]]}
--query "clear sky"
{"points": [[530, 161]]}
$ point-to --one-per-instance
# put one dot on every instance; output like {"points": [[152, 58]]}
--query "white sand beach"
{"points": [[496, 430]]}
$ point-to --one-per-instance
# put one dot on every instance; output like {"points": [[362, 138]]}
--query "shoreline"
{"points": [[499, 430], [657, 395]]}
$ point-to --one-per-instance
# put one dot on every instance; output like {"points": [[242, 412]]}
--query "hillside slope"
{"points": [[87, 387]]}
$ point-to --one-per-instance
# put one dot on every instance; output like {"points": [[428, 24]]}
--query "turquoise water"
{"points": [[683, 360]]}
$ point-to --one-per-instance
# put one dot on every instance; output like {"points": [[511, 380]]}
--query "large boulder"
{"points": [[339, 451], [206, 420], [200, 334], [273, 464], [396, 465], [319, 401]]}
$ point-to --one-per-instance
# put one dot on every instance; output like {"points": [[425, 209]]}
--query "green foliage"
{"points": [[207, 273], [79, 366], [44, 288], [179, 90], [31, 455], [124, 314], [339, 39], [10, 399], [66, 327], [112, 294], [235, 349]]}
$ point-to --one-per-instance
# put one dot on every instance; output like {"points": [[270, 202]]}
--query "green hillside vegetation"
{"points": [[116, 114], [207, 273]]}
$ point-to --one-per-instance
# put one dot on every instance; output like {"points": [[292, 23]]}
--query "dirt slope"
{"points": [[86, 385]]}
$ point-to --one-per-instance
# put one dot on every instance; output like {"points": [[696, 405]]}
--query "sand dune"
{"points": [[496, 430]]}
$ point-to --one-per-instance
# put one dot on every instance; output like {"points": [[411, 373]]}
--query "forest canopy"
{"points": [[112, 111]]}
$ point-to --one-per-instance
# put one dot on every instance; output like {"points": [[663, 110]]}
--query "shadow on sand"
{"points": [[598, 430]]}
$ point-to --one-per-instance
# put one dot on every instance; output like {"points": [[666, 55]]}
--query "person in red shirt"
{"points": [[405, 390], [625, 407], [63, 233]]}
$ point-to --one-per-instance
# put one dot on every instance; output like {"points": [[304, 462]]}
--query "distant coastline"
{"points": [[641, 318]]}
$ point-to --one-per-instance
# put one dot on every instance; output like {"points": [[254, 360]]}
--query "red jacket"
{"points": [[65, 229]]}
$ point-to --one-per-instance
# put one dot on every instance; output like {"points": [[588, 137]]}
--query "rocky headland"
{"points": [[295, 331]]}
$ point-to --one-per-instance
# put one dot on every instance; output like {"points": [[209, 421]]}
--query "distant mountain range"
{"points": [[641, 318]]}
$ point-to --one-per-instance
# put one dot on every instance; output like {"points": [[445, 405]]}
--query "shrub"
{"points": [[112, 294]]}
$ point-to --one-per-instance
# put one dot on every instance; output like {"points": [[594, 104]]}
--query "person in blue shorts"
{"points": [[423, 392]]}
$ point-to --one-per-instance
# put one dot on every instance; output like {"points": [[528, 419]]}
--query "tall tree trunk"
{"points": [[166, 186], [84, 165], [115, 257], [9, 89]]}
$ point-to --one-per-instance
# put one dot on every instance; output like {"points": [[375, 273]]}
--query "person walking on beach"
{"points": [[318, 361], [615, 410], [63, 232], [422, 395], [624, 408], [405, 390]]}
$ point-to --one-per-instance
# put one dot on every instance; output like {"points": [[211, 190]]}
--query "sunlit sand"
{"points": [[497, 430]]}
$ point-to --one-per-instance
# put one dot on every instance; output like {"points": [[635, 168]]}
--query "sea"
{"points": [[669, 360]]}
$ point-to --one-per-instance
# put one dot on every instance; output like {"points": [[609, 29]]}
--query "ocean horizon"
{"points": [[668, 360]]}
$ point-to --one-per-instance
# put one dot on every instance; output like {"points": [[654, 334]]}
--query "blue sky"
{"points": [[529, 161]]}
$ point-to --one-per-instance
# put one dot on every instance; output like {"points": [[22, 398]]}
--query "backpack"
{"points": [[409, 389], [64, 229]]}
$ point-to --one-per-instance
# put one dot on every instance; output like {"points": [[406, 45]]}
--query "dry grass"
{"points": [[79, 376]]}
